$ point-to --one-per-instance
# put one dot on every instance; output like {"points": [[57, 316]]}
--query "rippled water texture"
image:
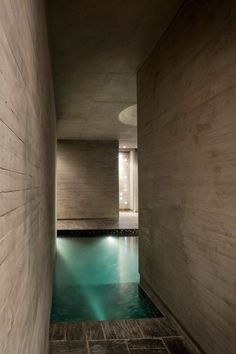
{"points": [[97, 278]]}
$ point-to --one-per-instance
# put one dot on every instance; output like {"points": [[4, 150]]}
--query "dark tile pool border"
{"points": [[156, 312], [83, 233]]}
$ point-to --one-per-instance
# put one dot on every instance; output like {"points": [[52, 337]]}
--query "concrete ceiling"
{"points": [[97, 46]]}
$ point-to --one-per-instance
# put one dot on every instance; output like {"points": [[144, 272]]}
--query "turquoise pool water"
{"points": [[96, 278]]}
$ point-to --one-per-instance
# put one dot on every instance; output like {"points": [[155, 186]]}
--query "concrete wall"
{"points": [[27, 147], [187, 169], [87, 179]]}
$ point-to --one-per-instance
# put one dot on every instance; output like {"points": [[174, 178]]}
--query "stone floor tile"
{"points": [[93, 330], [57, 331], [177, 346], [84, 330], [157, 327], [67, 347], [148, 351], [108, 347], [75, 331], [123, 329], [145, 343]]}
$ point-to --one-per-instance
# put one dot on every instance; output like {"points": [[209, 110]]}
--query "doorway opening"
{"points": [[128, 180], [128, 188]]}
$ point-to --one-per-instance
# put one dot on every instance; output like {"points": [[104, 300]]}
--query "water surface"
{"points": [[96, 278]]}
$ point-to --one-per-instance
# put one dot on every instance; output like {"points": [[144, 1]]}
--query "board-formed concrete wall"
{"points": [[27, 145], [187, 169], [87, 179]]}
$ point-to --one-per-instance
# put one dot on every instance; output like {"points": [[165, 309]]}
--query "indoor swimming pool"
{"points": [[96, 278]]}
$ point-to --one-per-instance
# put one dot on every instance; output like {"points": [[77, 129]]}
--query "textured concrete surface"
{"points": [[87, 179], [151, 336], [27, 146], [97, 47], [187, 167]]}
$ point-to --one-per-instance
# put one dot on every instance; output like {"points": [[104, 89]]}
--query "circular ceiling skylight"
{"points": [[129, 116]]}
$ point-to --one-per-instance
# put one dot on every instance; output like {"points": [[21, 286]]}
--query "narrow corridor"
{"points": [[117, 138]]}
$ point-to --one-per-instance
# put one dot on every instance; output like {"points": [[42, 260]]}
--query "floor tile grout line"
{"points": [[169, 337], [68, 341], [127, 347], [88, 347], [136, 338], [108, 340], [146, 348], [165, 346], [139, 328], [103, 330], [64, 334], [58, 340]]}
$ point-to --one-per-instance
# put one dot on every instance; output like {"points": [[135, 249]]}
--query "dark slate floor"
{"points": [[149, 336]]}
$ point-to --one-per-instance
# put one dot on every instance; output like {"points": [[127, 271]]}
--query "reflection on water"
{"points": [[96, 278]]}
